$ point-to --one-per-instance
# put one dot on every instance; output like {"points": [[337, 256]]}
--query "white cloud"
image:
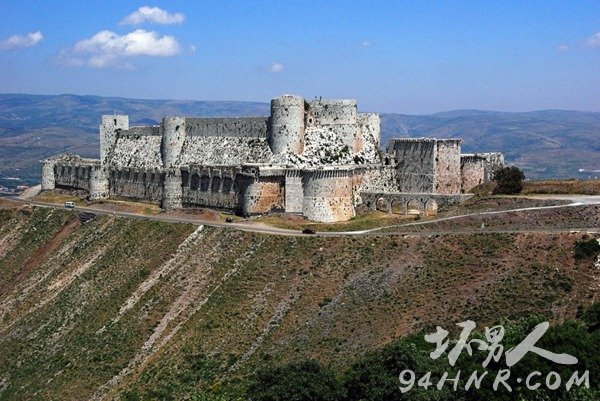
{"points": [[276, 68], [20, 41], [563, 48], [593, 41], [108, 49], [366, 43], [152, 14]]}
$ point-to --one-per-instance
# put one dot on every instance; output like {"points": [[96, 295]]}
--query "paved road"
{"points": [[263, 229], [575, 200]]}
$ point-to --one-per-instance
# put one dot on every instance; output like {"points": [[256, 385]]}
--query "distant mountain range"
{"points": [[545, 144]]}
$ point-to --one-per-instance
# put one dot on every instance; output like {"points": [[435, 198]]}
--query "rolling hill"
{"points": [[550, 143], [118, 308]]}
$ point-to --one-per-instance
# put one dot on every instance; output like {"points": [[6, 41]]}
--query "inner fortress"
{"points": [[318, 158]]}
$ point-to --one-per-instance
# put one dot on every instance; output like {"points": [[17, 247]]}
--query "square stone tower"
{"points": [[427, 165]]}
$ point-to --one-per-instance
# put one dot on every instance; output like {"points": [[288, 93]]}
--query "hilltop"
{"points": [[545, 144]]}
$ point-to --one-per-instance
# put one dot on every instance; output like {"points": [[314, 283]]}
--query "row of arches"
{"points": [[427, 207], [401, 204]]}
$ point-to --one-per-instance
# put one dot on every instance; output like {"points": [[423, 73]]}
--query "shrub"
{"points": [[300, 381], [509, 180], [587, 249]]}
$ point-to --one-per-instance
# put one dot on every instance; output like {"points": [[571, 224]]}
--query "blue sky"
{"points": [[404, 57]]}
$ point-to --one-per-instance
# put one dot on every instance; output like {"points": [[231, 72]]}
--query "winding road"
{"points": [[575, 200]]}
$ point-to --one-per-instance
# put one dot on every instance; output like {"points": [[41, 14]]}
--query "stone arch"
{"points": [[382, 204], [227, 185], [431, 207], [215, 184], [204, 183], [414, 206], [397, 206]]}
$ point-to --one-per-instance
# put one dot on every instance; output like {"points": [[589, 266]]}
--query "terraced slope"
{"points": [[121, 308]]}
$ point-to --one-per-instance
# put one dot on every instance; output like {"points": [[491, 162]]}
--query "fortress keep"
{"points": [[318, 158]]}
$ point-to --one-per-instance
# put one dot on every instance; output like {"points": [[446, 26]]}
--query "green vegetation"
{"points": [[509, 180], [190, 313], [587, 249], [375, 376]]}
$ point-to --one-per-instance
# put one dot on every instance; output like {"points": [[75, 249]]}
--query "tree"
{"points": [[297, 381], [509, 180]]}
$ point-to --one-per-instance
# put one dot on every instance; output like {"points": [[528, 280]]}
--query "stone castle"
{"points": [[318, 158]]}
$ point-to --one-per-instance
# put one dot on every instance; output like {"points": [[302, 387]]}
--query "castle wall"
{"points": [[172, 196], [369, 129], [212, 187], [72, 175], [137, 184], [447, 167], [494, 161], [415, 164], [375, 178], [479, 168], [472, 171], [263, 194], [427, 165], [327, 195], [293, 191], [246, 127], [141, 151], [337, 116], [214, 150], [99, 184]]}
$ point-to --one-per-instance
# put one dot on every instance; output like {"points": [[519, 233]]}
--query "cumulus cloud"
{"points": [[152, 14], [21, 41], [276, 68], [593, 41], [108, 49]]}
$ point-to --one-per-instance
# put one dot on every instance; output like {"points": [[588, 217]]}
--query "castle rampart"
{"points": [[319, 158]]}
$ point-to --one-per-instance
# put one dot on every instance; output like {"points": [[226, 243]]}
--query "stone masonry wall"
{"points": [[327, 195], [447, 167], [215, 187], [213, 150], [472, 171], [137, 151], [247, 127], [415, 164], [137, 184], [263, 194], [294, 193]]}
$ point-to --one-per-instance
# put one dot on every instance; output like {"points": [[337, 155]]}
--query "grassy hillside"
{"points": [[546, 144], [123, 308]]}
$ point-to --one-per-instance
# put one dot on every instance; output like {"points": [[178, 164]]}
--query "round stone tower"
{"points": [[172, 191], [172, 140], [287, 124], [48, 177], [327, 195]]}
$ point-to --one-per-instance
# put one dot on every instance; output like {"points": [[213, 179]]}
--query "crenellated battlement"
{"points": [[319, 158]]}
